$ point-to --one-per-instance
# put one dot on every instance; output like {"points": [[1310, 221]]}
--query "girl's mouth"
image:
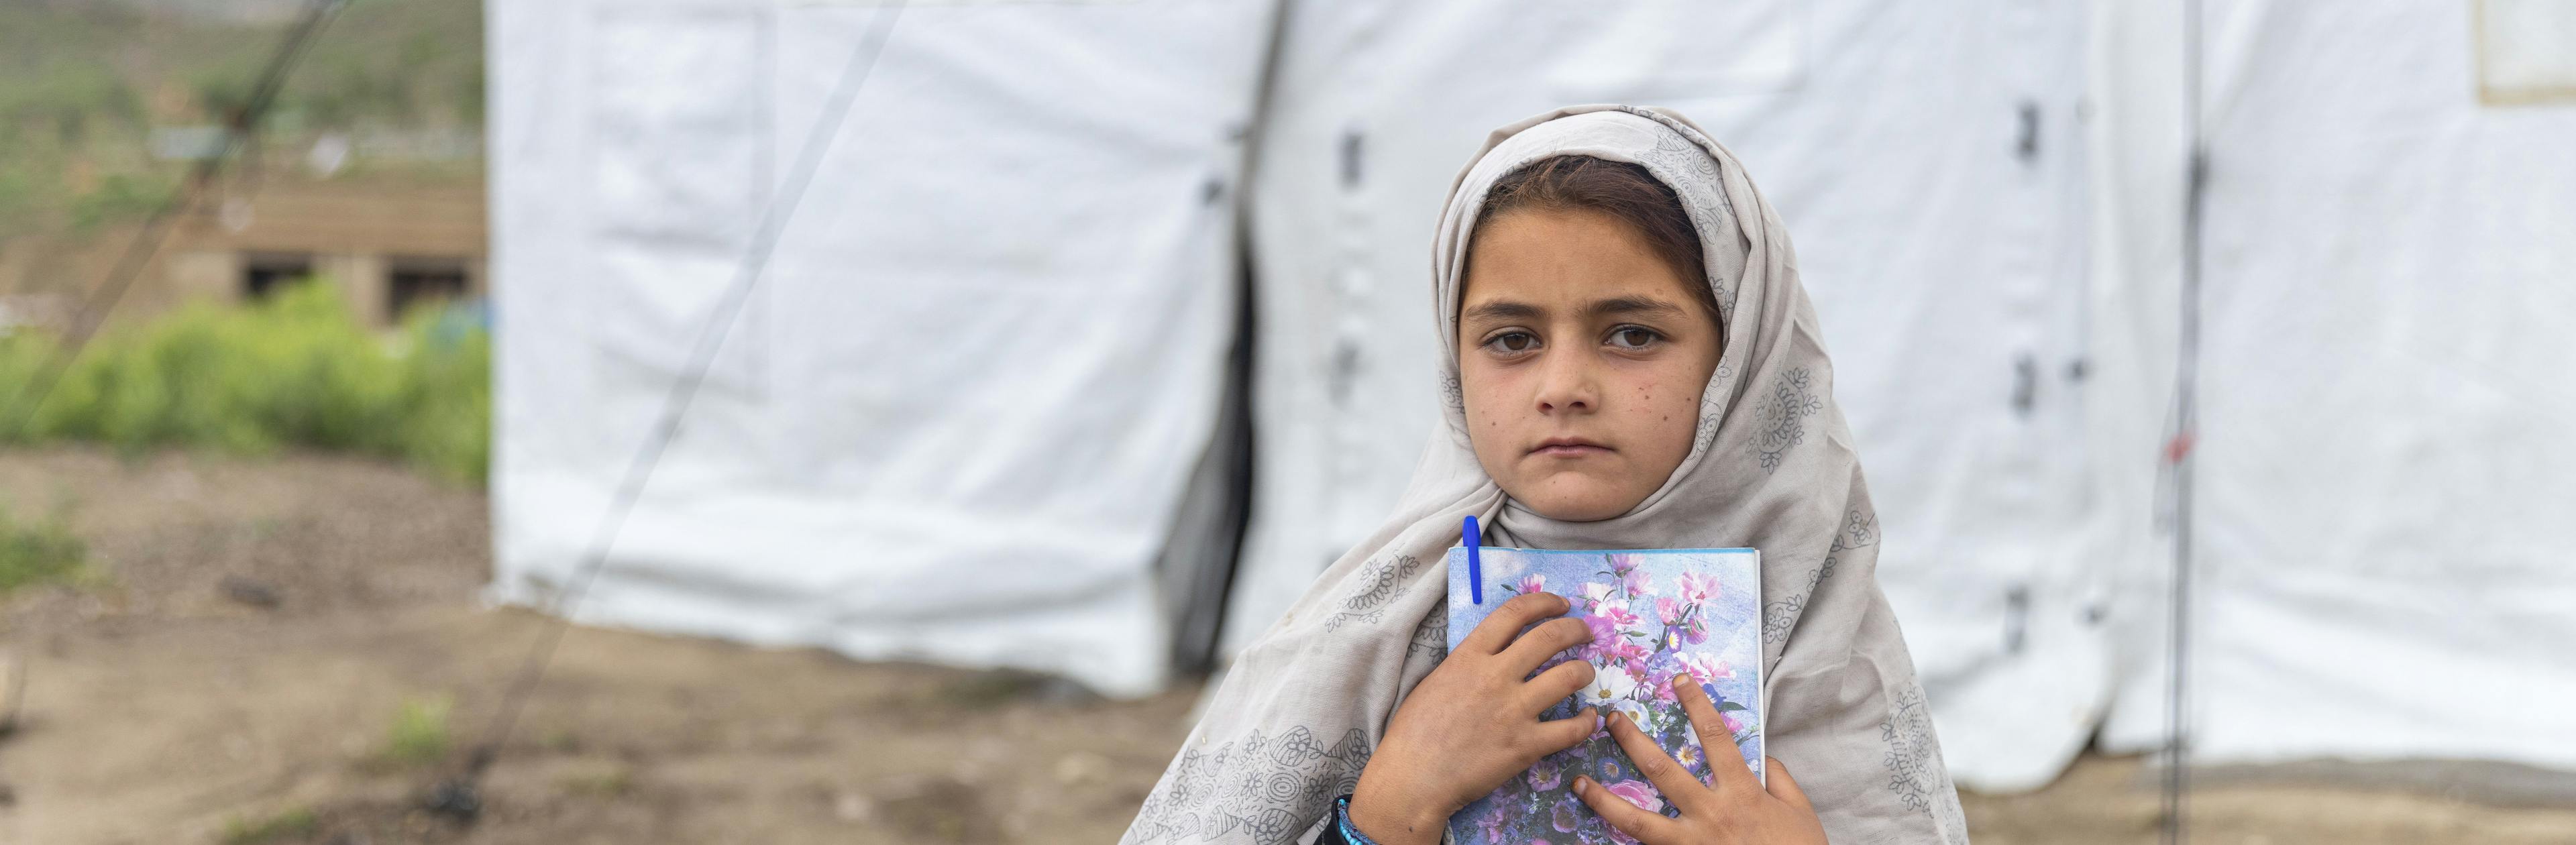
{"points": [[1569, 447]]}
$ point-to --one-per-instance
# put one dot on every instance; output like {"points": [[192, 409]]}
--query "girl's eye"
{"points": [[1513, 342], [1633, 337]]}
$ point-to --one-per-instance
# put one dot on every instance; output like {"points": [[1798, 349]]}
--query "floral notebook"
{"points": [[1654, 614]]}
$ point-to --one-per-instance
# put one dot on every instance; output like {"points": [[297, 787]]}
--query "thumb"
{"points": [[1784, 787]]}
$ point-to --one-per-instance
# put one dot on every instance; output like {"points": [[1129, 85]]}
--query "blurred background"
{"points": [[911, 405]]}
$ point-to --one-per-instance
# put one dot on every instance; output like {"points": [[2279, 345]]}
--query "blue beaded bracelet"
{"points": [[1342, 823]]}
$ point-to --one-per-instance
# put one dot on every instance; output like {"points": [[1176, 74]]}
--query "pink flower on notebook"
{"points": [[1617, 612], [1633, 581], [1698, 588], [1604, 632], [1620, 652], [1670, 612], [1703, 668], [1661, 680], [1638, 793]]}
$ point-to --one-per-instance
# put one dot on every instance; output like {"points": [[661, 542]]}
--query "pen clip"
{"points": [[1475, 568]]}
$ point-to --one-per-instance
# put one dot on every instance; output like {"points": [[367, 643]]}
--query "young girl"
{"points": [[1631, 363]]}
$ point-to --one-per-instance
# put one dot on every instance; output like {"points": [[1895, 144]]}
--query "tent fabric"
{"points": [[1019, 184], [1928, 157], [1988, 197], [2385, 467]]}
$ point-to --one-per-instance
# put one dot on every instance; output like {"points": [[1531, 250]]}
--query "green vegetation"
{"points": [[69, 99], [121, 196], [382, 62], [43, 552], [612, 782], [419, 733], [83, 83], [296, 370], [296, 823]]}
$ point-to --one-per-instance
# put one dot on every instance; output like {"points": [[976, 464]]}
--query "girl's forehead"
{"points": [[1546, 260]]}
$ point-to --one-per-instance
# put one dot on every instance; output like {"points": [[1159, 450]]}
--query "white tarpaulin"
{"points": [[954, 420], [1928, 161], [2387, 444]]}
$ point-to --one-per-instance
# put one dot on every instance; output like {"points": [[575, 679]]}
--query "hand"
{"points": [[1733, 808], [1473, 722]]}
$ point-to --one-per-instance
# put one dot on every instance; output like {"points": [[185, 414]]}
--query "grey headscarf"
{"points": [[1772, 467]]}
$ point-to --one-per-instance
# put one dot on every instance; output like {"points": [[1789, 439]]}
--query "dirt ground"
{"points": [[236, 673]]}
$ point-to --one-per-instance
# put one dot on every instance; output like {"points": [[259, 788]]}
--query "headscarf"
{"points": [[1771, 466]]}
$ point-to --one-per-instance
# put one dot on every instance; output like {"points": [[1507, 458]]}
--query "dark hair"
{"points": [[1619, 189]]}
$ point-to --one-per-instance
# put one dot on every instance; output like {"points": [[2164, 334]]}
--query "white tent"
{"points": [[954, 421], [2388, 419], [960, 418]]}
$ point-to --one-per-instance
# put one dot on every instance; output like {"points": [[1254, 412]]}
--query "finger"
{"points": [[1660, 768], [1785, 788], [1725, 760], [1560, 734], [1545, 641], [1554, 685], [1648, 827], [1498, 630]]}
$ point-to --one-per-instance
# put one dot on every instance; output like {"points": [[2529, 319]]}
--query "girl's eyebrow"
{"points": [[1503, 309], [1637, 305]]}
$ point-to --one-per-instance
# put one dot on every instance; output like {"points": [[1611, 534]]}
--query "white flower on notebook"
{"points": [[1609, 689]]}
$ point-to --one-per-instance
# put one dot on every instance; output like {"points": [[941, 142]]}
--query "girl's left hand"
{"points": [[1734, 809]]}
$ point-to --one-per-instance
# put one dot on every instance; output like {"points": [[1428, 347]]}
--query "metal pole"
{"points": [[2186, 433]]}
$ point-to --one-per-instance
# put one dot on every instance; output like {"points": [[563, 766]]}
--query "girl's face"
{"points": [[1581, 358]]}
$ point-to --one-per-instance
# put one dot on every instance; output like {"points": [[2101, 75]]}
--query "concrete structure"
{"points": [[388, 246]]}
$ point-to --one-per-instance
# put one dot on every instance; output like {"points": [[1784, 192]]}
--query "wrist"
{"points": [[1395, 815]]}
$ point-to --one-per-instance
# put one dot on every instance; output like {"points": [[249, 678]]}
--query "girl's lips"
{"points": [[1570, 450]]}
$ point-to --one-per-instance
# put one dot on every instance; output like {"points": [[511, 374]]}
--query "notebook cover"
{"points": [[1653, 613]]}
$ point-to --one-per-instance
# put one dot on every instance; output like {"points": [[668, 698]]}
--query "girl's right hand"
{"points": [[1473, 722]]}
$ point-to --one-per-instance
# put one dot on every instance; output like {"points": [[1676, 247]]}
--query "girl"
{"points": [[1631, 363]]}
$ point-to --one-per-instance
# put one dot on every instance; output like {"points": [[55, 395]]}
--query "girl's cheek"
{"points": [[1663, 411]]}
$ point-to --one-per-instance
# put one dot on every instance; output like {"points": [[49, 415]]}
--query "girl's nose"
{"points": [[1567, 385]]}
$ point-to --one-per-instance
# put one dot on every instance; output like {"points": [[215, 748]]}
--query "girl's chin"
{"points": [[1575, 497]]}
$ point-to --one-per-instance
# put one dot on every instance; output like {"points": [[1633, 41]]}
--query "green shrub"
{"points": [[418, 736], [39, 553], [294, 823], [294, 370]]}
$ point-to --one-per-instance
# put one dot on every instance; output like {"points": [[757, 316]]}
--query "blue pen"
{"points": [[1475, 568]]}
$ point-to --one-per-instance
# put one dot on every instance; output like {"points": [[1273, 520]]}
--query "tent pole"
{"points": [[2186, 432]]}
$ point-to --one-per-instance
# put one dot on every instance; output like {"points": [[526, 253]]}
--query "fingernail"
{"points": [[1582, 785], [1598, 722]]}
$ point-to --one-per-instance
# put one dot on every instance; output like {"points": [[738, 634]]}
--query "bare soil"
{"points": [[234, 672]]}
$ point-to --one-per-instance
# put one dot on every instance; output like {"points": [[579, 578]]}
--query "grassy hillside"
{"points": [[83, 84]]}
